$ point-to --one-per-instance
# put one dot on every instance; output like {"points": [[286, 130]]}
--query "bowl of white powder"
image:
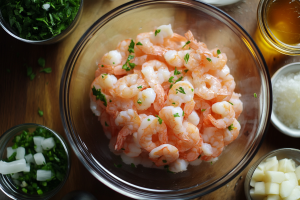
{"points": [[286, 100]]}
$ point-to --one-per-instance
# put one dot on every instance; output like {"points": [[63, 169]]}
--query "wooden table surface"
{"points": [[20, 97]]}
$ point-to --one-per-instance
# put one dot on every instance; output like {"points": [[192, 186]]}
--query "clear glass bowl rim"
{"points": [[267, 34], [51, 40], [16, 129], [104, 175]]}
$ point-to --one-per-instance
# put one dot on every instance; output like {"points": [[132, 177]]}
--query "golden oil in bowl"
{"points": [[279, 23]]}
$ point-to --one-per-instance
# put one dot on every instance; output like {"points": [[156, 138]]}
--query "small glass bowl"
{"points": [[290, 68], [292, 50], [280, 154], [6, 184], [51, 40]]}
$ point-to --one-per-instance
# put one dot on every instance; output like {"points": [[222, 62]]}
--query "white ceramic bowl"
{"points": [[290, 68]]}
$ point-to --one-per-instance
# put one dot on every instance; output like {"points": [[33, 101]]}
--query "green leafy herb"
{"points": [[159, 119], [164, 161], [31, 21], [176, 72], [181, 90], [209, 60], [230, 102], [186, 70], [192, 90], [110, 100], [157, 31], [113, 63], [173, 103], [139, 43], [176, 115], [182, 113], [255, 95], [99, 95], [140, 87], [106, 124], [148, 120], [103, 75], [211, 163], [168, 170], [131, 47], [218, 52], [186, 58], [202, 110], [132, 165], [171, 86], [131, 65], [179, 79], [139, 101], [230, 127], [41, 113], [171, 79], [102, 65], [186, 43], [118, 166], [42, 62], [47, 70]]}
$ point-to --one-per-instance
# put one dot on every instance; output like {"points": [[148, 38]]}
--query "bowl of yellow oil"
{"points": [[279, 24]]}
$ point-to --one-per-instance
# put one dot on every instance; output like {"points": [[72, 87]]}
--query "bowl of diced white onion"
{"points": [[286, 100], [10, 183], [274, 176]]}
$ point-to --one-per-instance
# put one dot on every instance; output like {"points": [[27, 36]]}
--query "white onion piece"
{"points": [[43, 175], [10, 151], [38, 149], [15, 175], [27, 168], [20, 153], [48, 143], [29, 158], [39, 159], [24, 184], [12, 167], [38, 140]]}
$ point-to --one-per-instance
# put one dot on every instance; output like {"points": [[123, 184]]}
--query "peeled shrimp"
{"points": [[164, 154], [237, 104], [144, 99], [193, 153], [225, 110], [127, 87], [207, 86], [231, 133], [213, 137]]}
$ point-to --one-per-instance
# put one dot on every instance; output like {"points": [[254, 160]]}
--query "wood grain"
{"points": [[20, 97]]}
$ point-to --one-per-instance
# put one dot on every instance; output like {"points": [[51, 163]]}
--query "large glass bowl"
{"points": [[210, 25]]}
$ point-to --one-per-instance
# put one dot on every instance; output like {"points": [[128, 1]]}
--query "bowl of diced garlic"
{"points": [[286, 100], [274, 176]]}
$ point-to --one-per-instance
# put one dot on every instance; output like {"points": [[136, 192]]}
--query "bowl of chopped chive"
{"points": [[34, 162], [40, 21]]}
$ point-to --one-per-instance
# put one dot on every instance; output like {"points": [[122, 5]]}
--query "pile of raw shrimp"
{"points": [[166, 101]]}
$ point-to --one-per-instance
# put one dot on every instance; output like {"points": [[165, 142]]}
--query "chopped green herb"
{"points": [[182, 113], [131, 65], [186, 58], [41, 113], [118, 166], [186, 70], [106, 124], [113, 63], [171, 86], [139, 101], [218, 52], [199, 156], [139, 43], [186, 43], [31, 20], [102, 65], [148, 120], [157, 31], [202, 110], [99, 95], [179, 79], [230, 102], [132, 165], [42, 62], [40, 192], [171, 79], [211, 163], [230, 127], [173, 103], [181, 90], [209, 60], [140, 87], [255, 95], [110, 100], [176, 72], [131, 47], [164, 161], [47, 70], [159, 119], [103, 75], [192, 90], [176, 115], [24, 190]]}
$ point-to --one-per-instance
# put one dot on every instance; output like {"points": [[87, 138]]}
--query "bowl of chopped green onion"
{"points": [[40, 21], [34, 162]]}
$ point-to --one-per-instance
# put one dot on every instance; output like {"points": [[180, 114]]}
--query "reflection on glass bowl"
{"points": [[209, 25]]}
